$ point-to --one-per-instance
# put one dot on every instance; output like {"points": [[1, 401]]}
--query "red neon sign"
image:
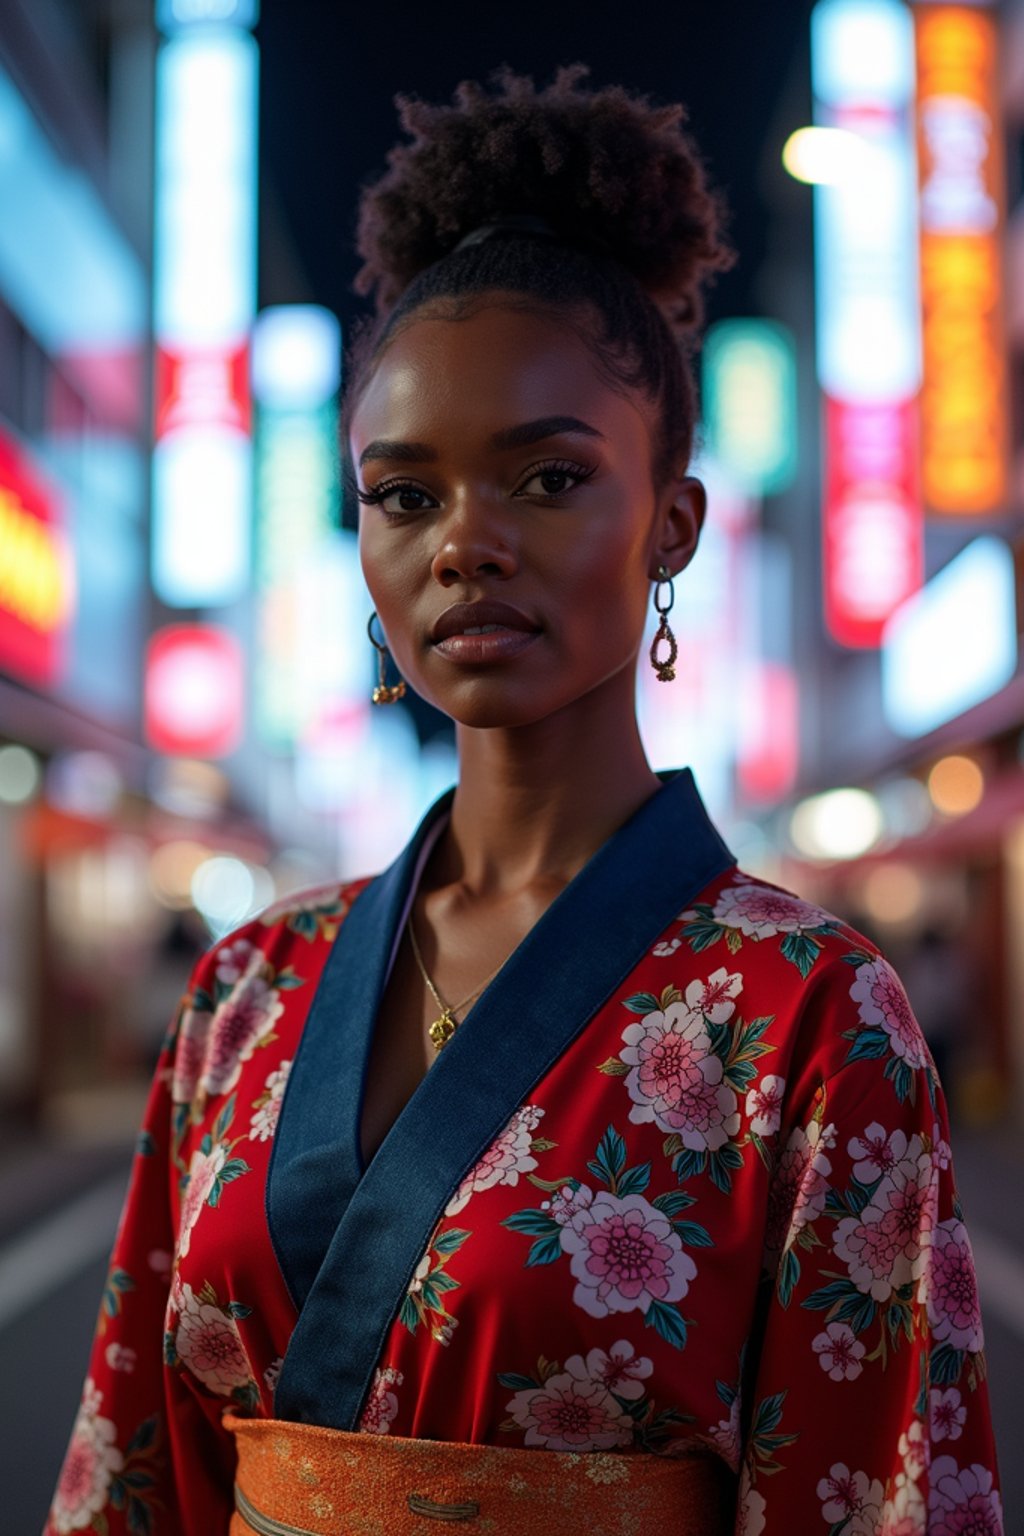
{"points": [[194, 693]]}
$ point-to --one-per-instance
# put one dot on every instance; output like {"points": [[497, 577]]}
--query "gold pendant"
{"points": [[442, 1029]]}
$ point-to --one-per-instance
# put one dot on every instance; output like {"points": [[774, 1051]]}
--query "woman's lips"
{"points": [[495, 645]]}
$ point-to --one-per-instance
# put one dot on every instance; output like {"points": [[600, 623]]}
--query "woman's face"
{"points": [[503, 469]]}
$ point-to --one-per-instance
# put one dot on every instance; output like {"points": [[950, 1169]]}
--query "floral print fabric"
{"points": [[726, 1215]]}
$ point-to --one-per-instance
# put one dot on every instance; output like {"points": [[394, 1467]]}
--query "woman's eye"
{"points": [[554, 480], [396, 498]]}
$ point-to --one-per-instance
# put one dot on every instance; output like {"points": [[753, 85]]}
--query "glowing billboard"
{"points": [[954, 643], [964, 415], [194, 692], [37, 588], [749, 402], [868, 321], [204, 272]]}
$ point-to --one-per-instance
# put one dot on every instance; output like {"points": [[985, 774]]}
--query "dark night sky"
{"points": [[330, 70]]}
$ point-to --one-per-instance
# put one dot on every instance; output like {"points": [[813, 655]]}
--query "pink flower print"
{"points": [[725, 1435], [209, 1345], [845, 1493], [764, 1105], [839, 1352], [202, 1175], [884, 1247], [761, 912], [882, 1002], [621, 1370], [941, 1150], [381, 1406], [189, 1050], [268, 1107], [236, 959], [505, 1159], [914, 1449], [963, 1502], [877, 1152], [796, 1195], [625, 1254], [240, 1024], [676, 1079], [946, 1414], [950, 1288], [92, 1460], [571, 1412], [715, 998], [568, 1206]]}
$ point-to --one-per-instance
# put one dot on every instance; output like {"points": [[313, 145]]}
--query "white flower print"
{"points": [[505, 1159], [884, 1247], [381, 1402], [962, 1502], [950, 1288], [202, 1175], [268, 1107], [666, 947], [568, 1205], [209, 1344], [625, 1254], [235, 959], [621, 1370], [241, 1023], [423, 1269], [750, 1508], [946, 1414], [877, 1152], [903, 1514], [764, 1105], [914, 1449], [839, 1352], [675, 1078], [761, 912], [882, 1003], [91, 1462], [845, 1494], [120, 1358], [799, 1185], [571, 1412]]}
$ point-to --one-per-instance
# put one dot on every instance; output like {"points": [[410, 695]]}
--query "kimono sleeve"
{"points": [[867, 1408], [143, 1457]]}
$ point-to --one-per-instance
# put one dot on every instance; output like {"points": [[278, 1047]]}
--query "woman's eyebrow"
{"points": [[509, 437]]}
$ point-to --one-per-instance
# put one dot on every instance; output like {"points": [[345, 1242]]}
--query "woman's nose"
{"points": [[473, 543]]}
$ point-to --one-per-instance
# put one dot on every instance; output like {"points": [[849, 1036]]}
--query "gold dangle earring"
{"points": [[383, 693], [666, 670]]}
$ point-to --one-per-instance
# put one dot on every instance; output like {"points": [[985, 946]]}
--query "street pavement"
{"points": [[58, 1212]]}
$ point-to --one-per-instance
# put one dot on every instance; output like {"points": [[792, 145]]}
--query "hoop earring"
{"points": [[383, 693], [665, 670]]}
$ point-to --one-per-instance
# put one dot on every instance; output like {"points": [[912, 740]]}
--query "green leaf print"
{"points": [[635, 1180], [545, 1250], [532, 1223], [642, 1002], [802, 951], [451, 1241], [669, 1323], [703, 931], [610, 1159], [673, 1201], [516, 1383]]}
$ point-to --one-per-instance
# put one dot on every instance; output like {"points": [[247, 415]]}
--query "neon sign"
{"points": [[37, 591]]}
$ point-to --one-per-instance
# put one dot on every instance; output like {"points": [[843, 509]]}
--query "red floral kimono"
{"points": [[683, 1174]]}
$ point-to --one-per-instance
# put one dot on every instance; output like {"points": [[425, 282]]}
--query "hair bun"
{"points": [[604, 168]]}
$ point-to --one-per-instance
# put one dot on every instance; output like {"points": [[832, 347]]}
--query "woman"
{"points": [[592, 1145]]}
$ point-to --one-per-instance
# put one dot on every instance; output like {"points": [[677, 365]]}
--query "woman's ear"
{"points": [[680, 520]]}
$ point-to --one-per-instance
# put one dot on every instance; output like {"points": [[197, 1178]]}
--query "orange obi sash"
{"points": [[299, 1480]]}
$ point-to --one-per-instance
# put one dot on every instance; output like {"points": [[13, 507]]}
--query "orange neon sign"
{"points": [[964, 415]]}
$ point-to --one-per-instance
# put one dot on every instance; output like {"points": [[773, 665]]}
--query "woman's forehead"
{"points": [[477, 375]]}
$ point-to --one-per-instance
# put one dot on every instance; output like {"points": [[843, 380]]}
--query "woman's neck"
{"points": [[534, 802]]}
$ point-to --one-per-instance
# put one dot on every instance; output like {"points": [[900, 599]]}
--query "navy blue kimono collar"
{"points": [[347, 1239]]}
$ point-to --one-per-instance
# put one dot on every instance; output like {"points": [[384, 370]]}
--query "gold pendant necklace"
{"points": [[444, 1027]]}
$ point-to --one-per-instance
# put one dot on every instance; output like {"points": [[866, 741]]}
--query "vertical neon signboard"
{"points": [[204, 270], [748, 373], [296, 374], [964, 412], [868, 320]]}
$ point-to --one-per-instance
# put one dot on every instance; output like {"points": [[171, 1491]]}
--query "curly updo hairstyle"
{"points": [[637, 230]]}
